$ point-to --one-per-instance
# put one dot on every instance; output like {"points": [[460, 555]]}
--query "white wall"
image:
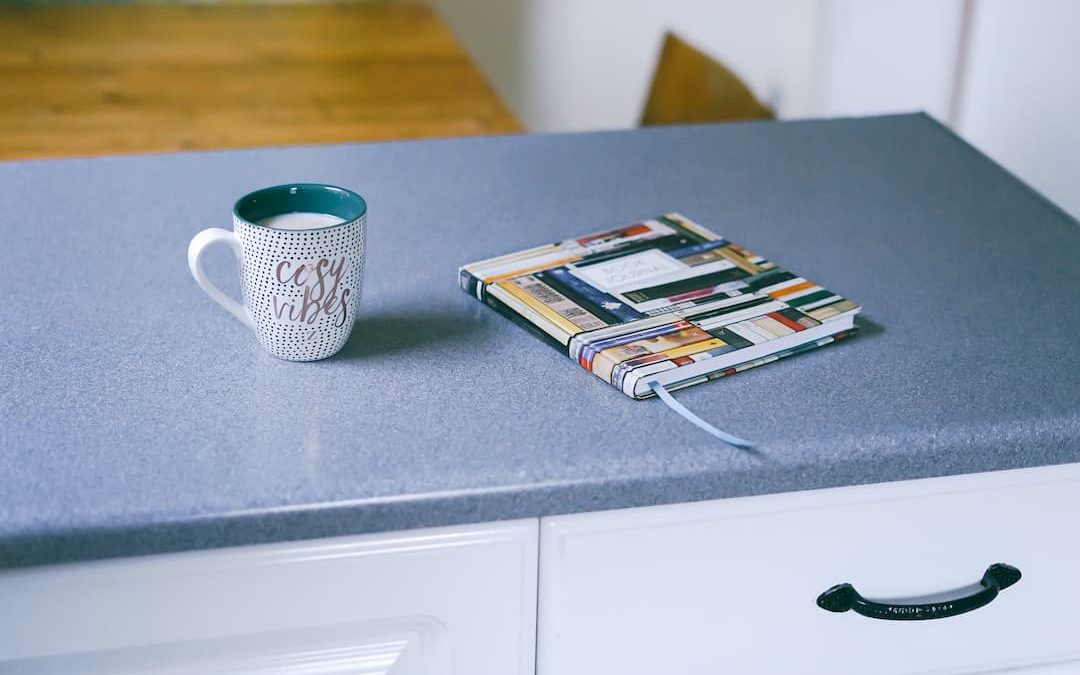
{"points": [[1021, 94], [1004, 73], [492, 32], [882, 56], [568, 65]]}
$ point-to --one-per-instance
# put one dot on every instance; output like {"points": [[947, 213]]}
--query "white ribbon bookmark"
{"points": [[682, 410]]}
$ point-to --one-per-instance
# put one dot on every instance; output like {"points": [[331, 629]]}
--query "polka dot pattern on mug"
{"points": [[301, 287]]}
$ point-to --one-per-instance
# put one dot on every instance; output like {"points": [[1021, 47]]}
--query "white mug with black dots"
{"points": [[301, 254]]}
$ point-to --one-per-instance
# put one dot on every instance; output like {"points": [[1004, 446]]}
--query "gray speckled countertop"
{"points": [[138, 417]]}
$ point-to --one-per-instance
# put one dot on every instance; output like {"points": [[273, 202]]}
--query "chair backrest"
{"points": [[690, 86]]}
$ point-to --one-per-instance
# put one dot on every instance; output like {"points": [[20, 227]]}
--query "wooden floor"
{"points": [[94, 79]]}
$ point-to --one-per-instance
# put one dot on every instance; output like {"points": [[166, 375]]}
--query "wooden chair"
{"points": [[690, 86]]}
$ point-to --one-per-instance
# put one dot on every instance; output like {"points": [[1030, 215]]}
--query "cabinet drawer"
{"points": [[442, 601], [730, 586]]}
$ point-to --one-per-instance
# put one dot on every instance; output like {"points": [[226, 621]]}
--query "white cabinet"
{"points": [[730, 586], [715, 588], [448, 601]]}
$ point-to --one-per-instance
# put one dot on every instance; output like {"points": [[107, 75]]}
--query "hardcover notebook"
{"points": [[664, 300]]}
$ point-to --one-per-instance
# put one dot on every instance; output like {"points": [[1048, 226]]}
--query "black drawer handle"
{"points": [[998, 576]]}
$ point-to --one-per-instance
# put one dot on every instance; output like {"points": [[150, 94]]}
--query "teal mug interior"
{"points": [[300, 198]]}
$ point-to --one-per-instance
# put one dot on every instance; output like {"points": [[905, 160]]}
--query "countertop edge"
{"points": [[373, 516]]}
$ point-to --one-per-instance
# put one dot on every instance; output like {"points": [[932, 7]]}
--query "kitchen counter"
{"points": [[138, 417]]}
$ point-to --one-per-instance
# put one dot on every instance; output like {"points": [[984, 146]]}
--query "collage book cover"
{"points": [[662, 300]]}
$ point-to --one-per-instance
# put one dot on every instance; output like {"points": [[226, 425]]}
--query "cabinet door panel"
{"points": [[1063, 668], [730, 586], [356, 649], [449, 600]]}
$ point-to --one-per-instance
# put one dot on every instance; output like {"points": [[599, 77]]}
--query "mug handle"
{"points": [[198, 246]]}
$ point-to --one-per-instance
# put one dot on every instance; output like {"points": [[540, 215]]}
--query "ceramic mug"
{"points": [[301, 284]]}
